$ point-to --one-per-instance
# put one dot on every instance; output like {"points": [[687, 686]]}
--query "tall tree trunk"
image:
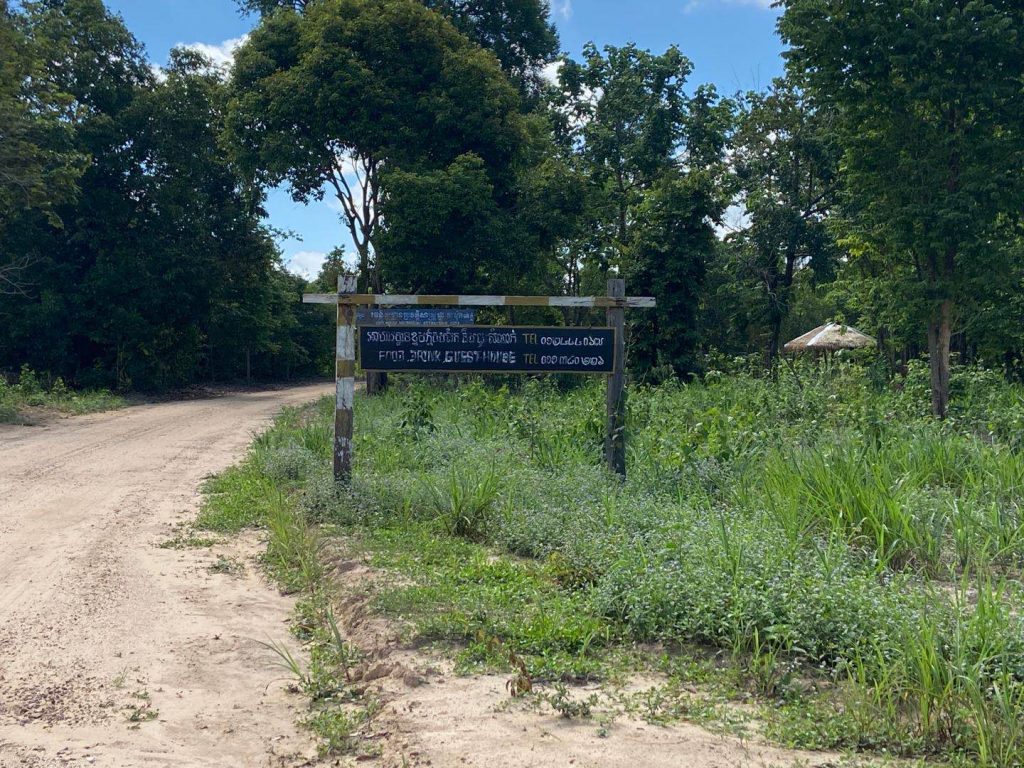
{"points": [[938, 355], [369, 276], [359, 203], [775, 284], [771, 352]]}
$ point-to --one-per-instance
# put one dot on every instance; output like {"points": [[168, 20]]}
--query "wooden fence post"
{"points": [[615, 399], [345, 381]]}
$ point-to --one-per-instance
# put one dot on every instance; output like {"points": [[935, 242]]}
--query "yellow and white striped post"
{"points": [[345, 379]]}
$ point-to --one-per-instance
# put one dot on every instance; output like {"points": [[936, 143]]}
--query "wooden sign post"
{"points": [[485, 349], [345, 380], [615, 394]]}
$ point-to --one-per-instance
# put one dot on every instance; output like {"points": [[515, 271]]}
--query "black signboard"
{"points": [[415, 316], [495, 349]]}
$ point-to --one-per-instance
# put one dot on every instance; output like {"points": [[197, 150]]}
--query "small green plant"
{"points": [[463, 499], [417, 414], [189, 541], [142, 711], [287, 661], [561, 700], [765, 666], [119, 678], [29, 386], [293, 549], [335, 728], [225, 565]]}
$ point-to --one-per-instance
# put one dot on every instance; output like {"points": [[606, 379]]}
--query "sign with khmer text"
{"points": [[494, 349], [415, 316]]}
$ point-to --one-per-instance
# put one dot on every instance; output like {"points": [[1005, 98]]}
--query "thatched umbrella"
{"points": [[828, 338]]}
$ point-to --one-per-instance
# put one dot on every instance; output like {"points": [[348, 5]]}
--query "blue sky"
{"points": [[732, 44]]}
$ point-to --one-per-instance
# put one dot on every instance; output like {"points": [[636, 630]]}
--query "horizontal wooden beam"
{"points": [[385, 300]]}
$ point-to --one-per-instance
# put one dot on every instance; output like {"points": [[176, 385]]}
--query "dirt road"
{"points": [[114, 651]]}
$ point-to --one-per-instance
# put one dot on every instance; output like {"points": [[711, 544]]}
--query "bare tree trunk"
{"points": [[938, 356], [780, 310], [772, 349], [376, 382], [357, 188]]}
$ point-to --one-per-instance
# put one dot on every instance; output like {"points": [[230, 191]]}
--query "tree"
{"points": [[672, 245], [931, 124], [38, 167], [266, 7], [95, 66], [518, 32], [161, 272], [786, 167], [332, 97], [446, 232], [624, 112], [651, 158], [334, 266]]}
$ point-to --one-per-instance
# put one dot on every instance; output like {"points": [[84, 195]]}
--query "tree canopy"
{"points": [[148, 267], [410, 125], [518, 32], [879, 183]]}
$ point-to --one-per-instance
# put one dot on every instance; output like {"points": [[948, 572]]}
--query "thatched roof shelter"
{"points": [[830, 337]]}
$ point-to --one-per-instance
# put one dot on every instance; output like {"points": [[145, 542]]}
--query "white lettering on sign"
{"points": [[486, 348]]}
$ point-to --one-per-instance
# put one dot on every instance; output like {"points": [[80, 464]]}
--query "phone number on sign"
{"points": [[572, 360]]}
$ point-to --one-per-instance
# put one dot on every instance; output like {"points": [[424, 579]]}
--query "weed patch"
{"points": [[31, 392], [831, 553]]}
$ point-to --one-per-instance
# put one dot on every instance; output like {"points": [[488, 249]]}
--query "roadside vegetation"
{"points": [[822, 547], [30, 392]]}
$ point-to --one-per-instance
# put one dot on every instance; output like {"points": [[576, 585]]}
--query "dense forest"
{"points": [[880, 183]]}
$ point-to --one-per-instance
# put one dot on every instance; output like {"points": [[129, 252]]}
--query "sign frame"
{"points": [[346, 301]]}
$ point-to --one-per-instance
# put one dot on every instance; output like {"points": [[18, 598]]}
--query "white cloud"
{"points": [[221, 54], [734, 219], [306, 263], [561, 9], [549, 72]]}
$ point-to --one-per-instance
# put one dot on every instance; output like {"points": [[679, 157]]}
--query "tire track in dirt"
{"points": [[114, 652]]}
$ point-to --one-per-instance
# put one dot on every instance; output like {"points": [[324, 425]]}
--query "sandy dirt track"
{"points": [[114, 651]]}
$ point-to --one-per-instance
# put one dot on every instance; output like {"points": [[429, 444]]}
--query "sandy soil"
{"points": [[113, 651], [433, 718]]}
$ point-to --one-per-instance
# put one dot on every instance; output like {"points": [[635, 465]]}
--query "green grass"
{"points": [[455, 590], [29, 392], [850, 562], [260, 492]]}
